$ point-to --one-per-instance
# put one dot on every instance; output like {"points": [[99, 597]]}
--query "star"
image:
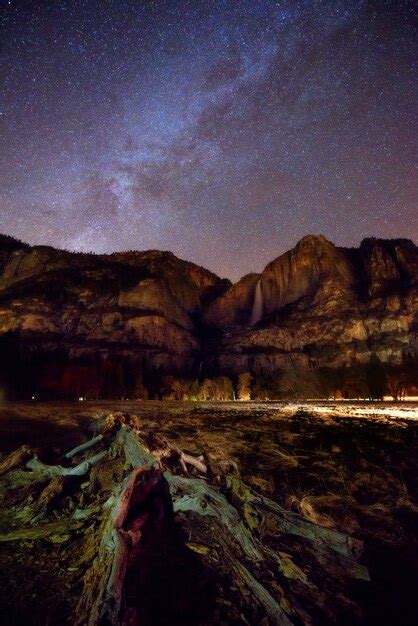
{"points": [[221, 131]]}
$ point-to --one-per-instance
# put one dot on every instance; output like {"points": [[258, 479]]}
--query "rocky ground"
{"points": [[343, 467]]}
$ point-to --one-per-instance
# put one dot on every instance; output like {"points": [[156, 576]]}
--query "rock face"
{"points": [[322, 306], [138, 315], [313, 265], [112, 316]]}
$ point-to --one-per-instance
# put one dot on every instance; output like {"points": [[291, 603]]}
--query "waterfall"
{"points": [[257, 312]]}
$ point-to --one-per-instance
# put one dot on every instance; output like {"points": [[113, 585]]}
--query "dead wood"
{"points": [[56, 529], [84, 446], [48, 496], [57, 470], [275, 565], [17, 458]]}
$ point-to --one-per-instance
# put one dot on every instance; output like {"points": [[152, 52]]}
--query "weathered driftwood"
{"points": [[57, 470], [195, 496], [288, 522], [84, 446], [135, 487], [49, 494], [171, 456], [55, 529], [15, 459], [239, 543]]}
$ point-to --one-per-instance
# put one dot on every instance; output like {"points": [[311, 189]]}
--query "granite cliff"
{"points": [[93, 324], [322, 306], [68, 317]]}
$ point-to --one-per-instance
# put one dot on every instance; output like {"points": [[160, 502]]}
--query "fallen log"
{"points": [[49, 494], [142, 516], [291, 523], [58, 529], [172, 457], [57, 470], [84, 446], [15, 459]]}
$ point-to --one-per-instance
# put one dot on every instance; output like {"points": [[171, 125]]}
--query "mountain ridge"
{"points": [[16, 243], [143, 315]]}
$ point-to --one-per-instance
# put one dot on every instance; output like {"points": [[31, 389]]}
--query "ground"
{"points": [[352, 467]]}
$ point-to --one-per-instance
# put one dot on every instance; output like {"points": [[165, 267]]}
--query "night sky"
{"points": [[223, 131]]}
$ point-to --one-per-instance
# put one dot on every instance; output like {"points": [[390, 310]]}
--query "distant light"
{"points": [[81, 399], [33, 397]]}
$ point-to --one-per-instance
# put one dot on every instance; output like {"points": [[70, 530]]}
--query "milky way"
{"points": [[221, 130]]}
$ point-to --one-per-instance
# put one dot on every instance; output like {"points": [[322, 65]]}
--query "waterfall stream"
{"points": [[257, 311]]}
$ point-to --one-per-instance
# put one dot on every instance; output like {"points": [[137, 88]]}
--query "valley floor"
{"points": [[348, 466]]}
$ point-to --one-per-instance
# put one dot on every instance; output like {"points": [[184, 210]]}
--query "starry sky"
{"points": [[222, 130]]}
